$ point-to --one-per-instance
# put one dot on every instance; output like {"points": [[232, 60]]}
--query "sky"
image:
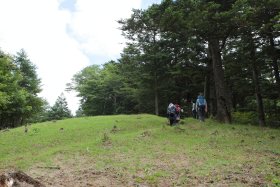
{"points": [[61, 37]]}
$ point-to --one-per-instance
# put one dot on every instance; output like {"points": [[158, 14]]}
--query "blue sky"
{"points": [[68, 5], [61, 37]]}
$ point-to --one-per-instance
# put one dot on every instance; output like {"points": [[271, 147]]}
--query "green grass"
{"points": [[142, 148]]}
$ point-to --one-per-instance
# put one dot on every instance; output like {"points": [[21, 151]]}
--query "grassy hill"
{"points": [[131, 150]]}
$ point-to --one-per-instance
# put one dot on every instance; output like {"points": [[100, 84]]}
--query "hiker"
{"points": [[171, 114], [201, 107], [178, 113], [194, 113]]}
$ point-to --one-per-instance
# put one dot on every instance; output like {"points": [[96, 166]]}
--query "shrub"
{"points": [[245, 117]]}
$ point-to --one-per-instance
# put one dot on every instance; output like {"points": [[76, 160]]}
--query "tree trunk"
{"points": [[274, 63], [223, 100], [115, 103], [211, 99], [104, 108], [257, 84], [155, 79], [156, 96], [234, 103], [207, 92], [258, 97]]}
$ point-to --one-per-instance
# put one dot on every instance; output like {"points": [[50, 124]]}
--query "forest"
{"points": [[229, 50]]}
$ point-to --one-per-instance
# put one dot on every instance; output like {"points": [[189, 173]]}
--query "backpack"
{"points": [[178, 108], [200, 101], [171, 109]]}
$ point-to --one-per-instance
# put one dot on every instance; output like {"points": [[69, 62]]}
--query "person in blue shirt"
{"points": [[201, 107]]}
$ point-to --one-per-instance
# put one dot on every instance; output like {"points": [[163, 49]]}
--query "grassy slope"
{"points": [[147, 151]]}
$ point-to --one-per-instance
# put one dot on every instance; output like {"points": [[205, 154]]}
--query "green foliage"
{"points": [[43, 113], [100, 89], [30, 80], [169, 57], [19, 87], [245, 118], [60, 109]]}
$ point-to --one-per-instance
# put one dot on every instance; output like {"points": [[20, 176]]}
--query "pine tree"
{"points": [[60, 109]]}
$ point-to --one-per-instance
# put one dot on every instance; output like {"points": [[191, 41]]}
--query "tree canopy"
{"points": [[227, 49], [19, 86]]}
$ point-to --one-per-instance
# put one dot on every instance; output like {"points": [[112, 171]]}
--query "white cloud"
{"points": [[39, 27], [95, 24], [60, 42]]}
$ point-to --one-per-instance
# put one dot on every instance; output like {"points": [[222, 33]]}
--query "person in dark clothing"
{"points": [[178, 113], [194, 111], [171, 114]]}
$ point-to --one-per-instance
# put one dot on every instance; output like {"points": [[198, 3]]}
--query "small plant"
{"points": [[106, 139], [276, 181], [179, 129], [182, 122], [115, 129], [146, 134], [245, 117]]}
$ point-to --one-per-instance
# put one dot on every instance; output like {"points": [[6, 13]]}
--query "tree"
{"points": [[143, 29], [100, 89], [208, 24], [250, 16], [43, 114], [211, 21], [10, 92], [19, 86], [60, 109], [30, 83], [87, 84], [30, 80]]}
